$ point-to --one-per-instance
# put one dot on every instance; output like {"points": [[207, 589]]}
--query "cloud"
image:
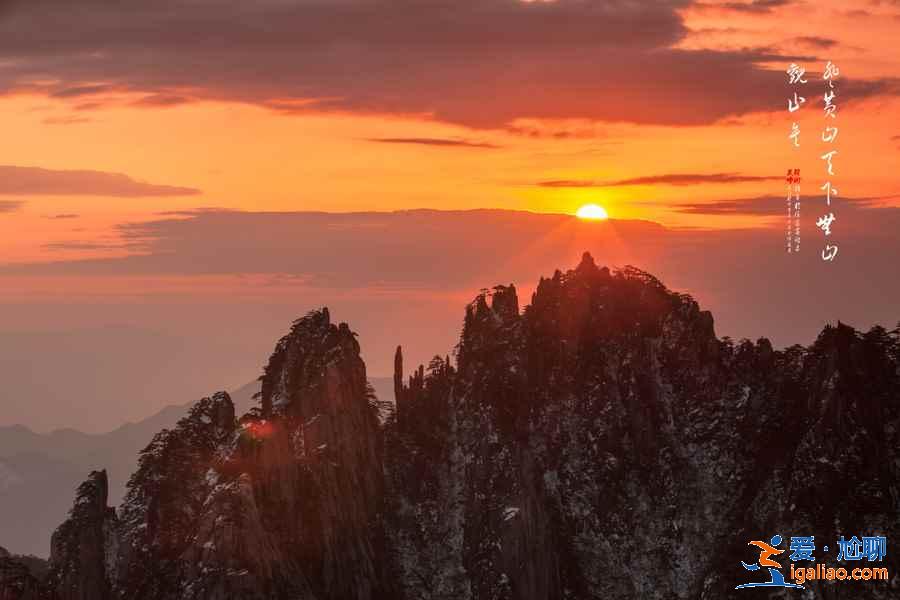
{"points": [[64, 216], [478, 63], [762, 206], [397, 249], [391, 261], [34, 181], [8, 206], [405, 248], [434, 142], [70, 120], [678, 179], [161, 100], [79, 91], [751, 7], [814, 41], [85, 245], [85, 106], [759, 206]]}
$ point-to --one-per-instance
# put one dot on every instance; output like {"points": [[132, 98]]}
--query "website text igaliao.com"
{"points": [[821, 572]]}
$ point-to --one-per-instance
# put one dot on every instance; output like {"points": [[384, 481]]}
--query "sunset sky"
{"points": [[147, 147]]}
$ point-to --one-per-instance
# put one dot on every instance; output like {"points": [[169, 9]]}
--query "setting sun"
{"points": [[592, 212]]}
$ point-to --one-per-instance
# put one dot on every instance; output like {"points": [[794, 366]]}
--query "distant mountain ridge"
{"points": [[39, 471]]}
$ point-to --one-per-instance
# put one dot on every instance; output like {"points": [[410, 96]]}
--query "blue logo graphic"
{"points": [[776, 578]]}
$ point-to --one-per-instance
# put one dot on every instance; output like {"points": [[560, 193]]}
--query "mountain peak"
{"points": [[302, 357], [604, 429], [78, 549], [587, 262]]}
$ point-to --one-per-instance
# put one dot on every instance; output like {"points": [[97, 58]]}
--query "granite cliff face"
{"points": [[82, 549], [602, 443], [284, 503], [605, 444]]}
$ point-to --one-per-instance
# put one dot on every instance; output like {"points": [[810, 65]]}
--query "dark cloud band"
{"points": [[34, 181], [478, 63], [679, 179]]}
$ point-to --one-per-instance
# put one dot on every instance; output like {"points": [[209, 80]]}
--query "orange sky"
{"points": [[247, 157], [119, 122]]}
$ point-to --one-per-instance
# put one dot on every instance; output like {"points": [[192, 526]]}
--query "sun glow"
{"points": [[592, 212]]}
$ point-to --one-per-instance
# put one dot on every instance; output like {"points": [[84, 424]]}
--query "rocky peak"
{"points": [[581, 448], [505, 302], [166, 497], [80, 566], [313, 348], [284, 504], [606, 421], [398, 378], [92, 495]]}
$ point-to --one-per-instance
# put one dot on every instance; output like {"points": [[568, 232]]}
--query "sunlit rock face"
{"points": [[600, 443], [605, 444]]}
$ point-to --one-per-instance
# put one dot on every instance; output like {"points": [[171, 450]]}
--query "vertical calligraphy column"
{"points": [[829, 135], [795, 78]]}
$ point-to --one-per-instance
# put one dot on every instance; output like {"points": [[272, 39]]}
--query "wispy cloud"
{"points": [[79, 91], [86, 245], [435, 142], [8, 206], [161, 100], [677, 179], [68, 120], [815, 41], [35, 181], [752, 7], [757, 206]]}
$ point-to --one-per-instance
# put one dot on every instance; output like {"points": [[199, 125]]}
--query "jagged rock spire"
{"points": [[505, 302], [78, 555], [398, 381], [587, 261], [302, 356], [603, 430]]}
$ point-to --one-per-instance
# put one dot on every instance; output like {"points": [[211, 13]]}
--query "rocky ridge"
{"points": [[600, 443]]}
